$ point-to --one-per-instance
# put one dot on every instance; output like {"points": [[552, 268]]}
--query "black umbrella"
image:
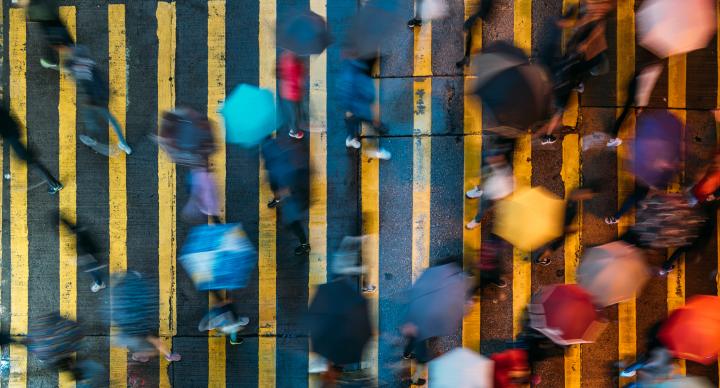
{"points": [[339, 323], [437, 301], [516, 93], [372, 29], [305, 33]]}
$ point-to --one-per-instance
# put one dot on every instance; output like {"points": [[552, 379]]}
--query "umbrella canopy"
{"points": [[692, 332], [53, 338], [667, 220], [657, 149], [529, 218], [438, 301], [186, 136], [613, 272], [682, 382], [218, 257], [372, 28], [565, 313], [249, 114], [461, 368], [305, 33], [339, 322], [670, 27], [514, 91], [134, 304]]}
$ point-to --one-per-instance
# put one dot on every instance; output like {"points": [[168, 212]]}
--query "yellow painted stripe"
{"points": [[677, 71], [570, 174], [18, 202], [370, 207], [166, 186], [318, 171], [522, 167], [216, 94], [267, 292], [117, 68], [625, 40], [67, 276]]}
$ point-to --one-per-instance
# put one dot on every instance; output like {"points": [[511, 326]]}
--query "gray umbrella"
{"points": [[437, 302]]}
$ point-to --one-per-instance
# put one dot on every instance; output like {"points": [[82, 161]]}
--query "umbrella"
{"points": [[438, 301], [657, 147], [529, 218], [339, 323], [249, 114], [565, 314], [692, 332], [186, 136], [461, 368], [670, 27], [667, 220], [53, 338], [218, 257], [134, 304], [682, 382], [613, 272], [372, 28], [515, 92], [305, 33]]}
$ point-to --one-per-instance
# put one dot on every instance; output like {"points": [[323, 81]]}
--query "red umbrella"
{"points": [[692, 332], [565, 314]]}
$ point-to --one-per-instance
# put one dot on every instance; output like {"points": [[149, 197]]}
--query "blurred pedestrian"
{"points": [[498, 183], [469, 26], [428, 10], [46, 14], [356, 92], [291, 74], [489, 267], [654, 364], [10, 132], [93, 103], [512, 369], [88, 253]]}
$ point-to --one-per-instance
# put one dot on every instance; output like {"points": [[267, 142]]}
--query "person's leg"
{"points": [[24, 153], [161, 348], [416, 21], [637, 195], [299, 231], [116, 127], [352, 126]]}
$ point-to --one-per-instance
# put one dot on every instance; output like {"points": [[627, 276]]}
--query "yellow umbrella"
{"points": [[530, 218]]}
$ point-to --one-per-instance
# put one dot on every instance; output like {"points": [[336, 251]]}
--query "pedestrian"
{"points": [[288, 178], [512, 369], [356, 93], [88, 253], [10, 132], [224, 317], [428, 10], [489, 268], [655, 364], [46, 14], [419, 350], [640, 192], [498, 183], [292, 73], [93, 104], [469, 26], [203, 202]]}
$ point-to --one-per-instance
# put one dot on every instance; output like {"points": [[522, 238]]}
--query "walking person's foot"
{"points": [[274, 203], [352, 142], [48, 64], [614, 142], [54, 188], [547, 139], [296, 134], [97, 286], [611, 220], [173, 357], [414, 22], [472, 225], [476, 192], [666, 269], [500, 284], [302, 249], [462, 63], [543, 260], [381, 154], [124, 147]]}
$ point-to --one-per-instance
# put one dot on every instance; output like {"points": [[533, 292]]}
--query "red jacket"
{"points": [[291, 70], [509, 364]]}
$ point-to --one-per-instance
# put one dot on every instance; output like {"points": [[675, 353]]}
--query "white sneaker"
{"points": [[97, 287], [611, 220], [87, 140], [476, 192], [48, 65], [472, 224], [352, 142], [381, 154], [125, 148], [614, 142], [239, 324], [627, 374]]}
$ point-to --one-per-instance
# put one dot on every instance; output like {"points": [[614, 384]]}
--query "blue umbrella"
{"points": [[305, 33], [249, 114]]}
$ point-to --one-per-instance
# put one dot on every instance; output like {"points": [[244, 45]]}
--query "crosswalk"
{"points": [[157, 55]]}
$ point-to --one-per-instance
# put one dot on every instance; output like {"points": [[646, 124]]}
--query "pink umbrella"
{"points": [[671, 27]]}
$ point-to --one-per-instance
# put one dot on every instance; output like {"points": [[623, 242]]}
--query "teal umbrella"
{"points": [[249, 114]]}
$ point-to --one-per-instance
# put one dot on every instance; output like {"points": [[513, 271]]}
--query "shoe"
{"points": [[381, 154], [502, 284], [302, 249], [666, 269], [408, 356], [476, 192], [48, 65], [125, 148], [419, 382], [55, 188], [369, 289], [543, 261], [296, 134], [173, 357], [472, 225], [352, 142], [235, 339], [414, 22], [97, 286], [273, 204], [611, 220], [87, 140], [462, 63], [614, 142], [580, 88], [547, 139], [629, 373]]}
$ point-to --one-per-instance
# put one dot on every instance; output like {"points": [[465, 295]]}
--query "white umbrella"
{"points": [[670, 27], [461, 368]]}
